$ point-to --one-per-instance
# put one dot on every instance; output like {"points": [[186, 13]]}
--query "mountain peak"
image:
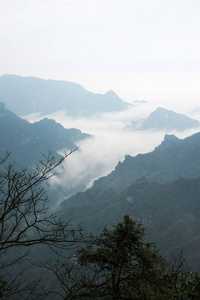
{"points": [[163, 119], [170, 137], [169, 140], [161, 109], [111, 94], [26, 95]]}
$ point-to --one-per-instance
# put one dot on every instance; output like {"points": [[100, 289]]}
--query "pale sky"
{"points": [[143, 50]]}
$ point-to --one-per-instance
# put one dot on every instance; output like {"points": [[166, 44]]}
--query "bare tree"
{"points": [[25, 220]]}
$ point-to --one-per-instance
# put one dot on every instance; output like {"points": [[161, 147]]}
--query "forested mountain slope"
{"points": [[160, 189], [170, 213], [172, 159], [27, 142]]}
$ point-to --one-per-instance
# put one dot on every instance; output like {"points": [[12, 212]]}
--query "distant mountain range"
{"points": [[163, 119], [160, 189], [27, 142], [26, 95]]}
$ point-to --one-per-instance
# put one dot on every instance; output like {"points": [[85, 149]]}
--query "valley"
{"points": [[145, 165]]}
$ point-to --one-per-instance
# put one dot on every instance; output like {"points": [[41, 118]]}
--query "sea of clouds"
{"points": [[111, 140]]}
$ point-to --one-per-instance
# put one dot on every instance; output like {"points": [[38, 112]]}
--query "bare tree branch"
{"points": [[25, 220]]}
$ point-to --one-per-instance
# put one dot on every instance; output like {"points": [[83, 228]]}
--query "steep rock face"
{"points": [[26, 95], [170, 140], [163, 119], [27, 142], [172, 159]]}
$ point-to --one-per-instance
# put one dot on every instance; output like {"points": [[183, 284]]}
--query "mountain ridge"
{"points": [[27, 141], [164, 119], [166, 162], [26, 95]]}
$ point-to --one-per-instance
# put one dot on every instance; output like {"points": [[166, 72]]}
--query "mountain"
{"points": [[170, 213], [172, 159], [163, 119], [27, 142], [26, 95], [160, 189]]}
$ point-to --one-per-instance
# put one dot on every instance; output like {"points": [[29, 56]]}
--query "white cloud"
{"points": [[99, 155]]}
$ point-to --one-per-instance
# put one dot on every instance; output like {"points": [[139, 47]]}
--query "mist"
{"points": [[111, 140]]}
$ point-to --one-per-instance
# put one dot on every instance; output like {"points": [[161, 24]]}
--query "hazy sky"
{"points": [[144, 49]]}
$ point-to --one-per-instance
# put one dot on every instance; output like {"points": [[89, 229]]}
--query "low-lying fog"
{"points": [[111, 141]]}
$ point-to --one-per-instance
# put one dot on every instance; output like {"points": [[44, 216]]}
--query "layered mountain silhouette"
{"points": [[27, 142], [26, 95], [163, 119], [172, 159], [160, 189]]}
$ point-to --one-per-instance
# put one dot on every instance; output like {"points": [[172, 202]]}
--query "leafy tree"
{"points": [[117, 264], [186, 285], [183, 284], [25, 220]]}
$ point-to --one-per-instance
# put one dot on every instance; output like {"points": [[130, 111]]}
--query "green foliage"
{"points": [[121, 265], [184, 285]]}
